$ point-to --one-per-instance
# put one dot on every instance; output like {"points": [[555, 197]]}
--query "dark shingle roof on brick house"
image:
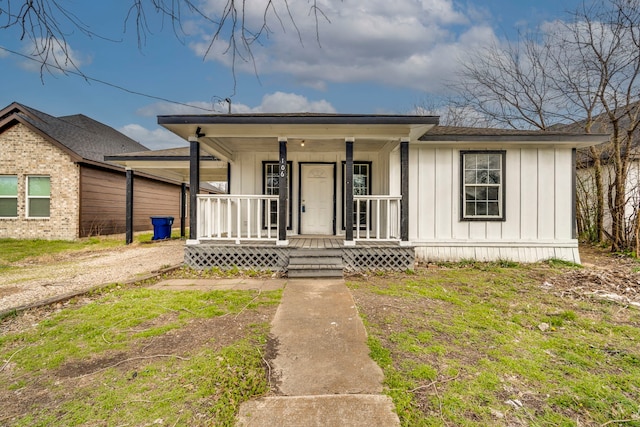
{"points": [[83, 136]]}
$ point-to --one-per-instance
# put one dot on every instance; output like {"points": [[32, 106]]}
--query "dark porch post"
{"points": [[129, 207], [183, 209], [404, 189], [194, 185], [348, 196], [283, 193]]}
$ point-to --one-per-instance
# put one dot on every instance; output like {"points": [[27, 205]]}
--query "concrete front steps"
{"points": [[315, 263]]}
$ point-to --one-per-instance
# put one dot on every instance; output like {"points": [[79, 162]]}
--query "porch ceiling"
{"points": [[171, 164], [224, 135]]}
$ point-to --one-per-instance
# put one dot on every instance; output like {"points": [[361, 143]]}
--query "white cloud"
{"points": [[156, 139], [56, 57], [277, 102], [280, 102], [409, 43]]}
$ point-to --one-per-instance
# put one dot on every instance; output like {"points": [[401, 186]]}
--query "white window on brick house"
{"points": [[38, 196], [8, 196]]}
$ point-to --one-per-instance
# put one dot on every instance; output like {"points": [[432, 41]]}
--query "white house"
{"points": [[374, 184]]}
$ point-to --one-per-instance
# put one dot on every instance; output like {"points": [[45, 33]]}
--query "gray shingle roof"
{"points": [[440, 131], [82, 135]]}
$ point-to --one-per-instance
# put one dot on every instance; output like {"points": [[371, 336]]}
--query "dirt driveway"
{"points": [[611, 276], [79, 271]]}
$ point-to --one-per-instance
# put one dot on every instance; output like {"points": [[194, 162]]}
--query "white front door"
{"points": [[317, 198]]}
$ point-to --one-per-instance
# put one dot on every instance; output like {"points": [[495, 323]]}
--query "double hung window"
{"points": [[482, 182], [38, 196]]}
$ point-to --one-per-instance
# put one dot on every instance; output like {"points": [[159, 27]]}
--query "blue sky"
{"points": [[373, 56]]}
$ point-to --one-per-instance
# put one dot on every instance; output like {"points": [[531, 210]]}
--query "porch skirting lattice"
{"points": [[276, 259], [378, 258], [239, 256]]}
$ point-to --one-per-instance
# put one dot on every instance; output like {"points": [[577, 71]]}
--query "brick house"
{"points": [[55, 184]]}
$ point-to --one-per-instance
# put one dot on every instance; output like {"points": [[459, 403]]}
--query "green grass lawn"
{"points": [[466, 344], [137, 356], [488, 345], [15, 250]]}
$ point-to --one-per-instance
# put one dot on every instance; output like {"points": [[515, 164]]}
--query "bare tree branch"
{"points": [[48, 23], [586, 70]]}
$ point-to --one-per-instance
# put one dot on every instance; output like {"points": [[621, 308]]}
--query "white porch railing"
{"points": [[237, 217], [379, 217], [255, 217]]}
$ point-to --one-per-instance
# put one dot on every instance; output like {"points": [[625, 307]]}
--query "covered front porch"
{"points": [[345, 177]]}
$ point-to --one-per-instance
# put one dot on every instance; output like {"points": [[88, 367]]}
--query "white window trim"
{"points": [[28, 197], [11, 197]]}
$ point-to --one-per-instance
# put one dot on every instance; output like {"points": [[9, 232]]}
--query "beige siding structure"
{"points": [[25, 153]]}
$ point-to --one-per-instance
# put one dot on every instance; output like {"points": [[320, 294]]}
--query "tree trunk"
{"points": [[599, 214]]}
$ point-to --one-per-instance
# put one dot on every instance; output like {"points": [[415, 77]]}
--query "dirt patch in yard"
{"points": [[8, 290], [214, 334], [606, 275]]}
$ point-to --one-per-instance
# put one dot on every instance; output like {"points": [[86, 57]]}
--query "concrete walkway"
{"points": [[322, 372]]}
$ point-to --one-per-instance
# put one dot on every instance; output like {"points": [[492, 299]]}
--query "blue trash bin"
{"points": [[161, 227]]}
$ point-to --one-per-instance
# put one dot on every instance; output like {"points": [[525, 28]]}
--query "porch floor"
{"points": [[304, 242], [322, 242]]}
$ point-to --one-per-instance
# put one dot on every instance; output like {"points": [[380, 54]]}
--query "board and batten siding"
{"points": [[246, 175], [103, 203], [538, 207]]}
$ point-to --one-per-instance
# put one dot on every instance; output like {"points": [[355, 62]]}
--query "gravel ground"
{"points": [[85, 270]]}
